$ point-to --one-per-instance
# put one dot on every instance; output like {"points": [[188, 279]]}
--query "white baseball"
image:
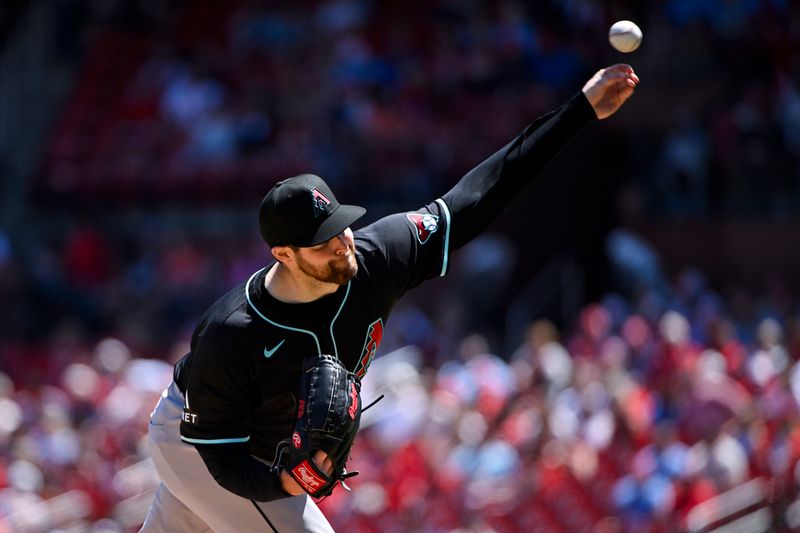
{"points": [[625, 36]]}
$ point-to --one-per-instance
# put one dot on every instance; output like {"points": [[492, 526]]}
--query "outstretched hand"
{"points": [[609, 88]]}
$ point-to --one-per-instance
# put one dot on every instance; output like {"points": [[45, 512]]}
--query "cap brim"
{"points": [[339, 221]]}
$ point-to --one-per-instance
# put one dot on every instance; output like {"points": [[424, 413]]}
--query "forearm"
{"points": [[488, 189], [237, 471]]}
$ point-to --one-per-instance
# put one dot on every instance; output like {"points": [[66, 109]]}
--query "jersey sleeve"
{"points": [[216, 406], [493, 185], [412, 247], [407, 247]]}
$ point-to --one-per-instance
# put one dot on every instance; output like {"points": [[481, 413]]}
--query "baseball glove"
{"points": [[328, 416]]}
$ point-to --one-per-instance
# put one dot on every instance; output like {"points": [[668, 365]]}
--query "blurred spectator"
{"points": [[191, 96], [399, 80], [472, 440]]}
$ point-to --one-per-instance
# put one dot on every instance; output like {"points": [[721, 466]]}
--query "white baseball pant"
{"points": [[189, 498]]}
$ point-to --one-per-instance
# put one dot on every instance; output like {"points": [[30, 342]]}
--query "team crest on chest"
{"points": [[425, 224], [374, 336]]}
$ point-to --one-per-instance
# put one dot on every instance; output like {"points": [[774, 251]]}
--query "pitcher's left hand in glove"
{"points": [[328, 417]]}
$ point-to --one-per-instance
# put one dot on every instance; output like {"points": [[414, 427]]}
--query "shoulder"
{"points": [[228, 309], [404, 228], [224, 323]]}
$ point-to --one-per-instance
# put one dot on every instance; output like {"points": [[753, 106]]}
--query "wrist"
{"points": [[289, 485]]}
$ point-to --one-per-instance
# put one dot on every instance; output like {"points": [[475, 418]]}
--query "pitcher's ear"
{"points": [[283, 254]]}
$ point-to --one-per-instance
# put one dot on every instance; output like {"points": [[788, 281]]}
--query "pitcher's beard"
{"points": [[338, 271]]}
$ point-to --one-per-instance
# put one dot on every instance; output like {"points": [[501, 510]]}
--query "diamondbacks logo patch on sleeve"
{"points": [[425, 224], [321, 202]]}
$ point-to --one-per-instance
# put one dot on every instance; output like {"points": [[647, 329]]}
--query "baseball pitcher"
{"points": [[262, 412]]}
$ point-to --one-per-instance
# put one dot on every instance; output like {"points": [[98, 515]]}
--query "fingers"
{"points": [[632, 77], [619, 72], [620, 67], [323, 461], [619, 75], [624, 94], [609, 88]]}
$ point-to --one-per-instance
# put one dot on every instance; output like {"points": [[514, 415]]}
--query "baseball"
{"points": [[625, 36]]}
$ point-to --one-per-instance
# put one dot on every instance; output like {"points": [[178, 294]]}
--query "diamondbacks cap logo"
{"points": [[374, 336], [321, 202], [426, 225]]}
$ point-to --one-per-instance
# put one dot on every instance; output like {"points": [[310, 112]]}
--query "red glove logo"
{"points": [[306, 476], [354, 403]]}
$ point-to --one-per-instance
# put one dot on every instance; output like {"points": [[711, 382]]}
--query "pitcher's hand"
{"points": [[609, 88]]}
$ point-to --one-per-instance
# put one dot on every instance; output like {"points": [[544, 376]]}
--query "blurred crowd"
{"points": [[206, 100], [186, 107], [147, 288], [656, 398], [647, 409], [629, 421]]}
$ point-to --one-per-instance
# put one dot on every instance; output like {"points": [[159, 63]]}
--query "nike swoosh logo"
{"points": [[270, 353]]}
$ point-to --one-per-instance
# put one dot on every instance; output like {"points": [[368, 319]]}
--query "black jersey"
{"points": [[241, 377], [243, 372]]}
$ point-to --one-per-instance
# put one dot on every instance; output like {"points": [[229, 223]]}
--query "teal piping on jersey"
{"points": [[346, 294], [214, 441], [247, 295], [446, 212], [316, 340]]}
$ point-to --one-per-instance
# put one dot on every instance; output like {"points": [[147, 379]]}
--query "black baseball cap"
{"points": [[302, 211]]}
